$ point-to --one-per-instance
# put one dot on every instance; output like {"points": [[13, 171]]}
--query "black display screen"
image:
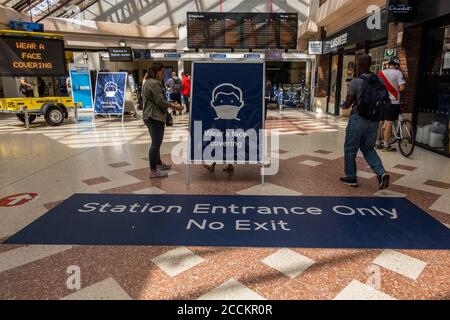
{"points": [[142, 54], [242, 30], [120, 54], [22, 56]]}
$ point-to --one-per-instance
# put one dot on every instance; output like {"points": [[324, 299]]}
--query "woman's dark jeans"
{"points": [[156, 130]]}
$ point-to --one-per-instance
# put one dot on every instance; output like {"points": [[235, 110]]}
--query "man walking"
{"points": [[395, 83], [174, 88], [366, 94]]}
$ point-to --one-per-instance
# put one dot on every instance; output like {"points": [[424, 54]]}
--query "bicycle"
{"points": [[403, 134]]}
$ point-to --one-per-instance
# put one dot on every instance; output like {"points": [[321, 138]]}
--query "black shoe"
{"points": [[389, 149], [349, 182], [384, 181], [164, 167]]}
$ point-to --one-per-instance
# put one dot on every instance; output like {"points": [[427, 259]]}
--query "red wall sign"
{"points": [[18, 199]]}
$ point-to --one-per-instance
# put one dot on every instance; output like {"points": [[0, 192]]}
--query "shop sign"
{"points": [[339, 41], [390, 53], [400, 10], [356, 33], [315, 47], [22, 56]]}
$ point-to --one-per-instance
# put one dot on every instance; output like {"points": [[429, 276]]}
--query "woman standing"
{"points": [[154, 114]]}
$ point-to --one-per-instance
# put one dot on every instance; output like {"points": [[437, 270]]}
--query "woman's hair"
{"points": [[153, 70]]}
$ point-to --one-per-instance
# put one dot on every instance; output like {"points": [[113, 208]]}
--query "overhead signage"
{"points": [[23, 56], [227, 117], [172, 55], [26, 26], [142, 54], [251, 56], [218, 55], [315, 47], [242, 30], [273, 54], [120, 54]]}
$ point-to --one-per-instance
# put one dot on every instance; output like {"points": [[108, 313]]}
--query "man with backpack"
{"points": [[174, 86], [368, 96]]}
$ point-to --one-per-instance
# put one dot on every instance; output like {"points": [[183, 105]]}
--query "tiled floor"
{"points": [[107, 156]]}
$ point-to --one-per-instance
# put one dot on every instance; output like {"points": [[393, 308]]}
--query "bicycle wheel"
{"points": [[407, 143]]}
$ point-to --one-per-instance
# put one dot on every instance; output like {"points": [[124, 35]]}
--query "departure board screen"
{"points": [[212, 30]]}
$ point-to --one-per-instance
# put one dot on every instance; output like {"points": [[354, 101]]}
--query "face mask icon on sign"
{"points": [[111, 89], [227, 101]]}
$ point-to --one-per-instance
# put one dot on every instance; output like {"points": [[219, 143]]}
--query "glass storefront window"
{"points": [[348, 73], [333, 84], [377, 55], [434, 97]]}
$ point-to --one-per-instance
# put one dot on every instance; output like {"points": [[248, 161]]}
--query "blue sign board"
{"points": [[80, 82], [172, 55], [218, 55], [110, 93], [227, 112], [237, 221], [26, 26], [252, 56]]}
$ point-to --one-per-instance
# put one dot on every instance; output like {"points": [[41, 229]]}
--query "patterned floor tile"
{"points": [[231, 290], [405, 265], [17, 257], [288, 262], [151, 190], [107, 289], [97, 180], [268, 189], [177, 261], [311, 163], [359, 291]]}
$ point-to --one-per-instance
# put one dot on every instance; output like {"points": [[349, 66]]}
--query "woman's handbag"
{"points": [[169, 120]]}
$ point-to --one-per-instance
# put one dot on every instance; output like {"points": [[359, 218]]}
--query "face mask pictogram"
{"points": [[226, 100]]}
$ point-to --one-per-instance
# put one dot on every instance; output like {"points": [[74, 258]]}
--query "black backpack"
{"points": [[177, 85], [374, 97]]}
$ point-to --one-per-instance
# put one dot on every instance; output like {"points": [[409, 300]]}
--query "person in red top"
{"points": [[186, 89]]}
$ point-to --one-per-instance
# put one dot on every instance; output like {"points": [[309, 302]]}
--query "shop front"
{"points": [[431, 112], [343, 49]]}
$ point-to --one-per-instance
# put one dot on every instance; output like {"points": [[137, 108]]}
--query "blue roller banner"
{"points": [[234, 220], [110, 93], [227, 112], [80, 80]]}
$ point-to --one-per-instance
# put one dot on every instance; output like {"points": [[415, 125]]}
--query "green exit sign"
{"points": [[389, 53]]}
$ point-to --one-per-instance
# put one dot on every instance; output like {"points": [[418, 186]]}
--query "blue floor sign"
{"points": [[241, 221]]}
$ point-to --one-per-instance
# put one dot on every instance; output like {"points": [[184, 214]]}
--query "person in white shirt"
{"points": [[394, 81]]}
